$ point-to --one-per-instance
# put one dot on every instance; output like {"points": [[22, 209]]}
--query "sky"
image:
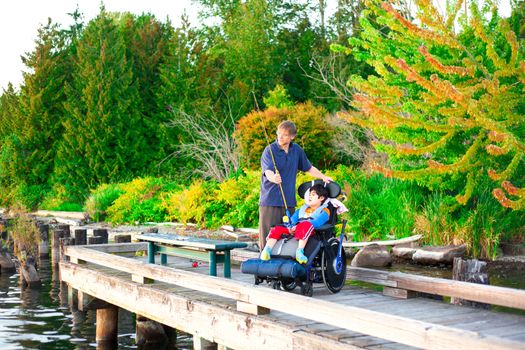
{"points": [[20, 20]]}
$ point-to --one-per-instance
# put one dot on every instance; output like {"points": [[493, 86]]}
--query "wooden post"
{"points": [[43, 246], [6, 263], [473, 271], [95, 240], [150, 332], [63, 243], [80, 236], [107, 325], [55, 245], [65, 228], [122, 238], [203, 344], [29, 274], [101, 232]]}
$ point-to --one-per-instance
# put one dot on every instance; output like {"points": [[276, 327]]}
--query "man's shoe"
{"points": [[265, 254], [300, 257]]}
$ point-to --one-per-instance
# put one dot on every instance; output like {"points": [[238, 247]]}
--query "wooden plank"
{"points": [[221, 325], [509, 297], [370, 276], [176, 240], [399, 293], [120, 247], [395, 328]]}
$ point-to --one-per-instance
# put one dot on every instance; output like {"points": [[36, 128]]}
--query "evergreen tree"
{"points": [[147, 43], [102, 140]]}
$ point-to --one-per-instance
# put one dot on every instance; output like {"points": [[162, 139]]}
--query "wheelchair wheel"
{"points": [[288, 285], [334, 274]]}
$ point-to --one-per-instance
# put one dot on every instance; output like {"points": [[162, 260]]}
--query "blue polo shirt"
{"points": [[288, 165]]}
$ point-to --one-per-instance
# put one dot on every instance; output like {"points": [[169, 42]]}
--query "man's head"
{"points": [[318, 194], [286, 132]]}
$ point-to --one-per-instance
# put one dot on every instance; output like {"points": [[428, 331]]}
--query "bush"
{"points": [[25, 234], [313, 133], [189, 205], [101, 199], [140, 202], [241, 200]]}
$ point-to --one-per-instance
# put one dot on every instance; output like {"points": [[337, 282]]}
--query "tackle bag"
{"points": [[273, 268]]}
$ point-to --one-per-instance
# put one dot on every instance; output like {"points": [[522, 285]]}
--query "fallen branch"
{"points": [[389, 242]]}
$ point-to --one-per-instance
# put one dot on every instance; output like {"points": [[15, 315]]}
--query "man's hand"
{"points": [[273, 177], [326, 179]]}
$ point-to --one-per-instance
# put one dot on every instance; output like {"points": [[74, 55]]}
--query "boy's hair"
{"points": [[321, 191], [288, 126]]}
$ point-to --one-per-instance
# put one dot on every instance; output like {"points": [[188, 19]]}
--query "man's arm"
{"points": [[316, 173]]}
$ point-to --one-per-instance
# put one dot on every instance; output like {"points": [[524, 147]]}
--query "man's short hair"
{"points": [[288, 126]]}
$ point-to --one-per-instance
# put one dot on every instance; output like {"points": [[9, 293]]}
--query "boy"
{"points": [[310, 216]]}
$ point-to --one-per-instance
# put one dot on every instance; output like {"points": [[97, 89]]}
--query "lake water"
{"points": [[41, 319]]}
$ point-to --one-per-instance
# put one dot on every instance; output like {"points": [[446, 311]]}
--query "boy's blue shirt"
{"points": [[318, 218]]}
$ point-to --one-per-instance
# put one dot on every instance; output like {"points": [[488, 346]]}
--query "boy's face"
{"points": [[284, 137], [314, 199]]}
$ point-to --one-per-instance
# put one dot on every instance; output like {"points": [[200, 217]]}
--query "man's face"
{"points": [[284, 137]]}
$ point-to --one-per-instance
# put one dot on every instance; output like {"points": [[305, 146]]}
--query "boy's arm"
{"points": [[320, 219], [295, 217]]}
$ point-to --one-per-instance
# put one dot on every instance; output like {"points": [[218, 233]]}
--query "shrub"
{"points": [[189, 205], [101, 199], [140, 202], [257, 129], [241, 200], [24, 232]]}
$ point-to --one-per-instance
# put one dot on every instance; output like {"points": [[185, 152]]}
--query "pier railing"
{"points": [[256, 299]]}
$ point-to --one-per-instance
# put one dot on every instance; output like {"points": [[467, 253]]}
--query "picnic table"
{"points": [[213, 251]]}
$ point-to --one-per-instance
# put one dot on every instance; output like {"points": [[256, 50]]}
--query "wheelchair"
{"points": [[326, 257]]}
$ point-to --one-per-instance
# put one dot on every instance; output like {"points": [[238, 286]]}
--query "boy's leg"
{"points": [[274, 235], [303, 230]]}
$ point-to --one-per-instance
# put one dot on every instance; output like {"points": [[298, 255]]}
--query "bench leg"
{"points": [[213, 263], [227, 267], [151, 252], [163, 259]]}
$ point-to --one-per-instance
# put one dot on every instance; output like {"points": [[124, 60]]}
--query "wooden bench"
{"points": [[210, 250]]}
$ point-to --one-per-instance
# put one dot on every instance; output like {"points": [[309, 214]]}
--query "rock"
{"points": [[404, 251], [512, 248], [438, 255], [372, 256], [6, 263]]}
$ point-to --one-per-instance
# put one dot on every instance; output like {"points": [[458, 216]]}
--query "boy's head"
{"points": [[321, 191]]}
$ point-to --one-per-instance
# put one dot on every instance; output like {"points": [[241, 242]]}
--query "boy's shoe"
{"points": [[300, 257], [265, 254]]}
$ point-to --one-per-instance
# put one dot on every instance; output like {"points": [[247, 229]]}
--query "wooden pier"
{"points": [[236, 314]]}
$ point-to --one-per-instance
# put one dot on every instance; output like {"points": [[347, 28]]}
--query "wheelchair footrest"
{"points": [[273, 268]]}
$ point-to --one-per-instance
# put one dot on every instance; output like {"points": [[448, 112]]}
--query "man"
{"points": [[289, 158]]}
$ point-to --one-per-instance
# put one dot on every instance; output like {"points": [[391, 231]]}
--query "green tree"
{"points": [[447, 106], [147, 46], [103, 134]]}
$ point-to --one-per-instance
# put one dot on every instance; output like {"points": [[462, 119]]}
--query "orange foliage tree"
{"points": [[446, 105], [256, 129]]}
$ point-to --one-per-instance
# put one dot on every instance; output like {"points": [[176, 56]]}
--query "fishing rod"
{"points": [[287, 217]]}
